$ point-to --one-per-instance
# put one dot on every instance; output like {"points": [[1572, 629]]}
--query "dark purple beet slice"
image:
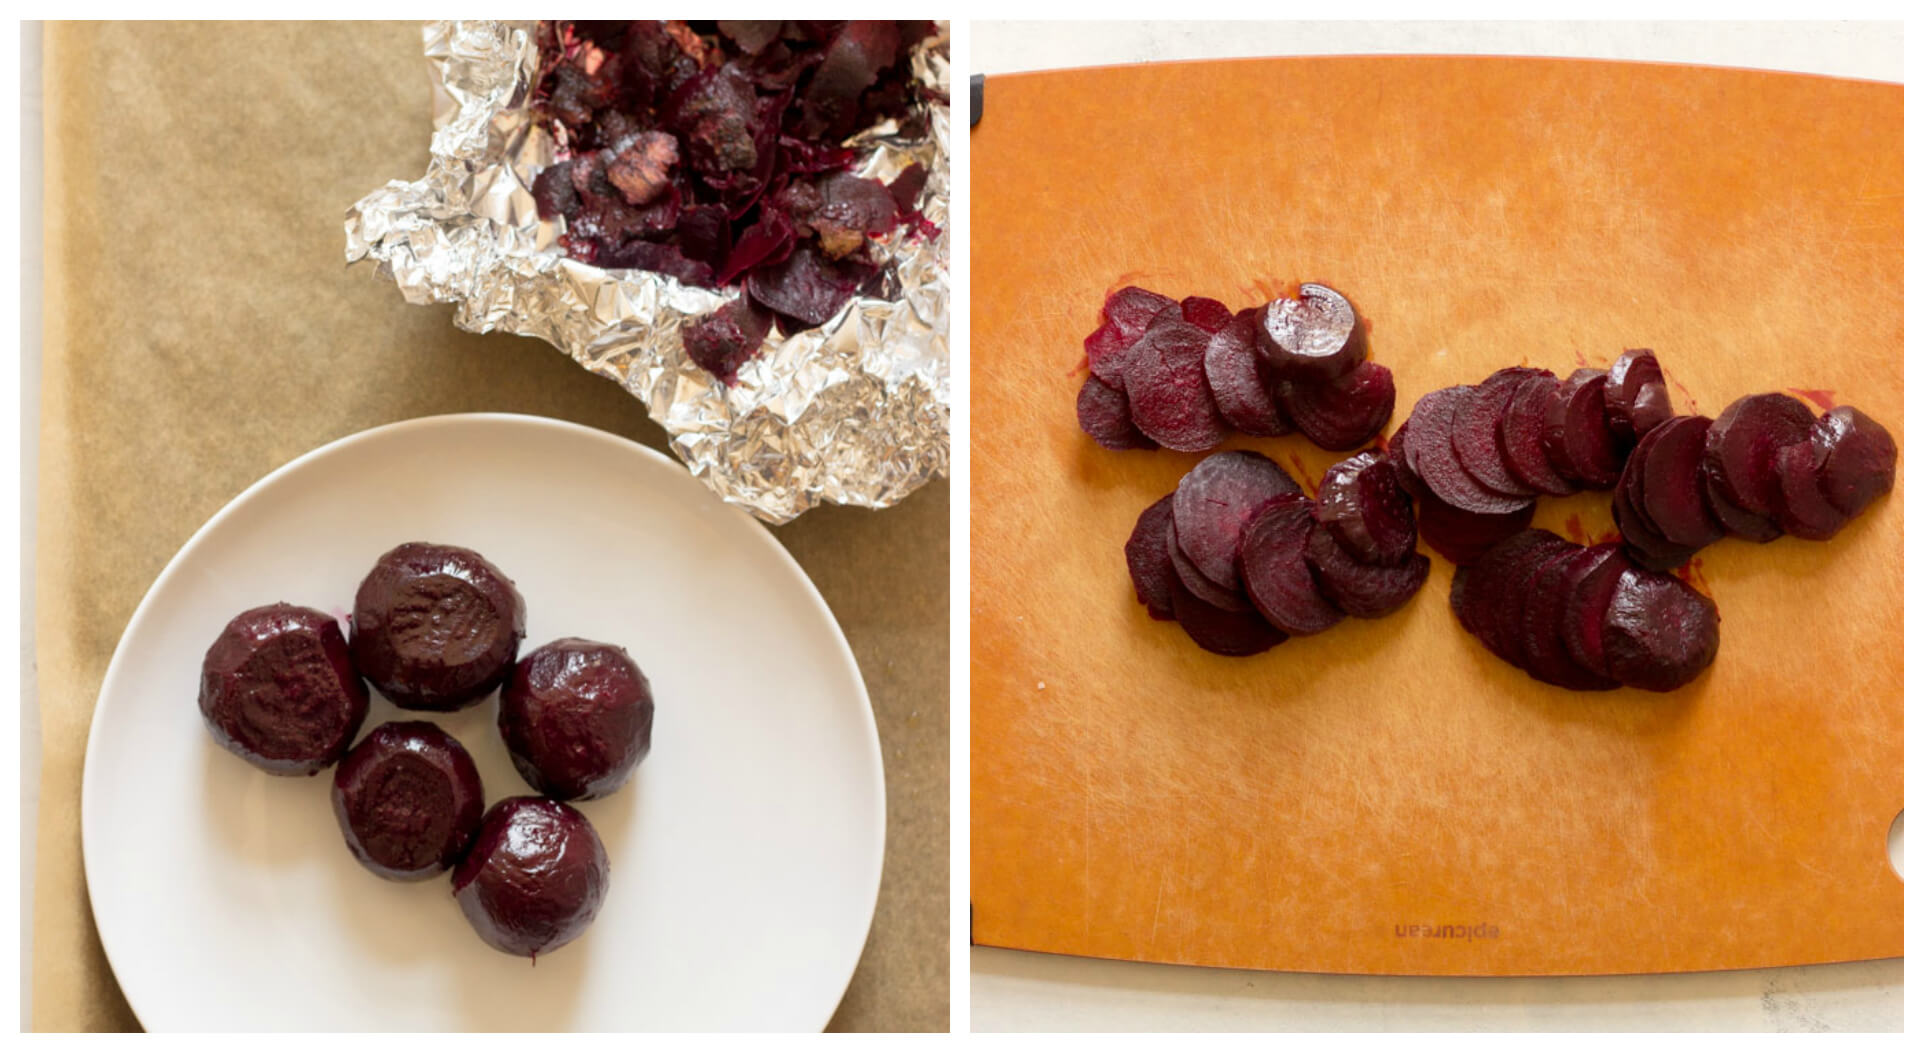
{"points": [[1233, 634], [1433, 458], [1206, 313], [1358, 589], [1362, 504], [1343, 413], [1575, 435], [1168, 391], [1126, 315], [1107, 351], [1474, 588], [1673, 483], [1315, 335], [1275, 569], [1740, 453], [1103, 412], [1517, 577], [1737, 523], [1630, 374], [1213, 502], [1799, 505], [1862, 465], [1544, 655], [1198, 583], [1239, 381], [1642, 540], [1521, 436], [1398, 450], [1658, 632], [1593, 583], [1147, 553], [1473, 434], [1460, 536]]}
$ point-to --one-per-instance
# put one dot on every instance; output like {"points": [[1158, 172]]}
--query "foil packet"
{"points": [[854, 412]]}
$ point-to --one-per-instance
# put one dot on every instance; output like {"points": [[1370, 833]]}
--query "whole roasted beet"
{"points": [[535, 878], [577, 716], [278, 690], [408, 799], [436, 626]]}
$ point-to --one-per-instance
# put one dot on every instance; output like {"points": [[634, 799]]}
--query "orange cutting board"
{"points": [[1389, 797]]}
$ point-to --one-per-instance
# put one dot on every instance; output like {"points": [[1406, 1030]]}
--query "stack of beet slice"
{"points": [[1584, 618], [1183, 375], [1243, 560]]}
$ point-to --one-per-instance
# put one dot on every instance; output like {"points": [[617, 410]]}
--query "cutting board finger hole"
{"points": [[1894, 844]]}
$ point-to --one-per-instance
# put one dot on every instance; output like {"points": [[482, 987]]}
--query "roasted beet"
{"points": [[1522, 436], [278, 689], [408, 799], [1213, 502], [577, 716], [1642, 540], [1168, 390], [1474, 433], [1546, 655], [1239, 380], [1315, 335], [1740, 452], [1358, 589], [1406, 476], [1103, 412], [1862, 465], [1799, 505], [1673, 483], [1635, 398], [1592, 584], [1367, 511], [1127, 314], [1207, 314], [535, 878], [1275, 568], [1658, 633], [1576, 434], [807, 287], [1460, 536], [1432, 456], [1516, 580], [1197, 584], [1147, 554], [1343, 413], [1233, 634], [1737, 523], [436, 626], [1478, 591], [721, 342]]}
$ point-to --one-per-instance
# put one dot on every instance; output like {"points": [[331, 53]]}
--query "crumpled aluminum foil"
{"points": [[855, 412]]}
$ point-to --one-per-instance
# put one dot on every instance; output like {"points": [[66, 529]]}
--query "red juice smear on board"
{"points": [[1311, 483], [1690, 401], [1574, 525]]}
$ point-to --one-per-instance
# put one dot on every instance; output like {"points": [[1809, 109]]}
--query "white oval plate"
{"points": [[745, 853]]}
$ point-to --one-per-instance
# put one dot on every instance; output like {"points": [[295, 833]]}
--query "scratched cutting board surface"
{"points": [[1388, 797]]}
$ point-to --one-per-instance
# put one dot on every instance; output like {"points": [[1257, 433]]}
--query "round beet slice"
{"points": [[1545, 655], [1314, 335], [408, 799], [1343, 413], [436, 626], [1473, 590], [1359, 589], [1103, 412], [1207, 314], [1629, 411], [1232, 634], [1215, 499], [1239, 380], [1737, 523], [1673, 482], [1131, 309], [1147, 553], [1516, 578], [1362, 504], [1168, 390], [1862, 464], [1473, 434], [1398, 451], [278, 689], [1643, 541], [535, 878], [1658, 632], [1198, 583], [1740, 452], [1433, 457], [1799, 505], [1107, 352], [1126, 315], [1460, 536], [1275, 567], [1593, 584], [1576, 436], [1522, 436]]}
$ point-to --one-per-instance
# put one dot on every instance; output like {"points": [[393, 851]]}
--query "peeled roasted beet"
{"points": [[1799, 505], [1228, 598], [1359, 589], [535, 878], [1213, 502], [1516, 579], [1103, 412], [1479, 589], [1343, 413], [1366, 510], [1460, 536], [1274, 566], [1545, 654], [1474, 433], [1522, 436], [1147, 554], [1673, 483], [1207, 314], [1592, 584], [1432, 456], [723, 341], [1233, 634], [408, 799], [1642, 540], [1239, 380], [1168, 388], [1406, 476], [1635, 397], [1740, 451], [1862, 465], [1738, 523], [1315, 335], [1658, 633], [1576, 434], [436, 626], [278, 689], [577, 717]]}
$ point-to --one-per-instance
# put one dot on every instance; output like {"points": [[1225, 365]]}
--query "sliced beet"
{"points": [[1643, 541], [1673, 482], [1131, 309], [1314, 335], [1206, 313], [1239, 380], [1522, 434], [1359, 589], [1275, 568], [1592, 585], [1169, 397], [1460, 536], [1517, 577], [1658, 632], [1740, 453], [1147, 553], [1103, 412], [1799, 504], [1343, 413], [1737, 523], [1366, 509], [1107, 352], [1473, 434], [1406, 476], [1198, 583], [1475, 589], [1433, 457], [1632, 373], [1546, 655], [1215, 499], [1575, 434], [1233, 634], [1862, 465], [1126, 315]]}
